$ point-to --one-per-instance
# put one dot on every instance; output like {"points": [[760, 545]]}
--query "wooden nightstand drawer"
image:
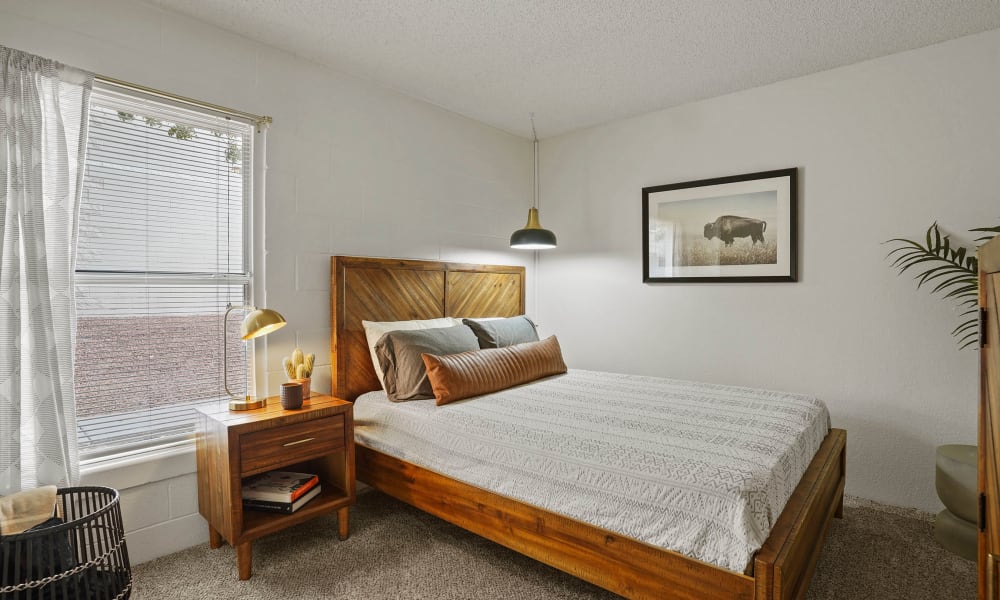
{"points": [[262, 450]]}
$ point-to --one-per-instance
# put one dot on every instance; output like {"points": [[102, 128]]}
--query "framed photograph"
{"points": [[728, 229]]}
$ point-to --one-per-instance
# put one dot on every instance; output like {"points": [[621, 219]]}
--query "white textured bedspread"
{"points": [[701, 469]]}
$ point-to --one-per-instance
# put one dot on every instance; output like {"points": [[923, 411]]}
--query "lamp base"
{"points": [[247, 403]]}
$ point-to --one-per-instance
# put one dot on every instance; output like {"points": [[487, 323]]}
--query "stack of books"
{"points": [[280, 491]]}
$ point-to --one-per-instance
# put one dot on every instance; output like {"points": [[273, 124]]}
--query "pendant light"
{"points": [[533, 236]]}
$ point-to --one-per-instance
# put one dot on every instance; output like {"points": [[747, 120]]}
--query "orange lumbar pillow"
{"points": [[457, 376]]}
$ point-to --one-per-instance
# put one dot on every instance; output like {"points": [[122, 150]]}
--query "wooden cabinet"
{"points": [[231, 446], [989, 422]]}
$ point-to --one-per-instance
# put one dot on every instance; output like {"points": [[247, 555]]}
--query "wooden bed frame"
{"points": [[378, 289]]}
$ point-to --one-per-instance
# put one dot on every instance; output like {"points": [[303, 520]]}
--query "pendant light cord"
{"points": [[534, 136], [534, 286]]}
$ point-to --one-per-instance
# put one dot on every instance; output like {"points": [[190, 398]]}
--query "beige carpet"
{"points": [[397, 552]]}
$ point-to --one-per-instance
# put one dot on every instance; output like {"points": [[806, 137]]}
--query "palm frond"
{"points": [[969, 340], [968, 325], [952, 271], [994, 231]]}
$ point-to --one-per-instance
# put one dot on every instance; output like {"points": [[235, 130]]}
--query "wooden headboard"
{"points": [[385, 289]]}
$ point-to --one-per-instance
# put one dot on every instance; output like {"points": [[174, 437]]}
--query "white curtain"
{"points": [[43, 136]]}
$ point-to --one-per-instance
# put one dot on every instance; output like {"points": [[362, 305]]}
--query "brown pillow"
{"points": [[399, 354], [457, 376]]}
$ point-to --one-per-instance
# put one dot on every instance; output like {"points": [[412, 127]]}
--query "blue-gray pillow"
{"points": [[500, 333], [399, 354]]}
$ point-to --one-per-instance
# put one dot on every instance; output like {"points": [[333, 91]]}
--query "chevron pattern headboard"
{"points": [[385, 289]]}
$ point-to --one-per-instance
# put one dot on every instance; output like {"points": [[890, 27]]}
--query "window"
{"points": [[163, 248]]}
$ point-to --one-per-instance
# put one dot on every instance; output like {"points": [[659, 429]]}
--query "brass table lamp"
{"points": [[258, 322]]}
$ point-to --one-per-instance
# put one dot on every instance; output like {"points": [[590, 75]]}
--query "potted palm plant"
{"points": [[953, 271]]}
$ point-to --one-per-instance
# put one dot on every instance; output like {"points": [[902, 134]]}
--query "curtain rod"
{"points": [[257, 120]]}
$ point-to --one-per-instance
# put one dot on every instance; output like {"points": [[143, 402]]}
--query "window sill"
{"points": [[133, 469]]}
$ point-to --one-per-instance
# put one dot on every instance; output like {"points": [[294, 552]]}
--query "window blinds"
{"points": [[161, 252]]}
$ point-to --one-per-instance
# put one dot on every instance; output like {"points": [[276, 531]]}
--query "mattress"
{"points": [[701, 469]]}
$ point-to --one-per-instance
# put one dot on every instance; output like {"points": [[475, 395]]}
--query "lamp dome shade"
{"points": [[261, 321], [533, 236]]}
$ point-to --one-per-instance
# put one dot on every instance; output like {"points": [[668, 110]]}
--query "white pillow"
{"points": [[374, 330]]}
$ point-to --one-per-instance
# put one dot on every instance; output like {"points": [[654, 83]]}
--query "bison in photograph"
{"points": [[728, 228]]}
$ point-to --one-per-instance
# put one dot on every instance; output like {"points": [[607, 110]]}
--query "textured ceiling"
{"points": [[580, 63]]}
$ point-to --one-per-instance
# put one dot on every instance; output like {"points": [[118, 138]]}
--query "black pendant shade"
{"points": [[532, 237]]}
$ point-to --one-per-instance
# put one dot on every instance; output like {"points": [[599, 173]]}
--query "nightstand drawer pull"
{"points": [[299, 442]]}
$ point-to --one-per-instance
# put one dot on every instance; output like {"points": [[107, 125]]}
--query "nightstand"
{"points": [[318, 438]]}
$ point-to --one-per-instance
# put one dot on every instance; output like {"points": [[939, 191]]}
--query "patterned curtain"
{"points": [[43, 137]]}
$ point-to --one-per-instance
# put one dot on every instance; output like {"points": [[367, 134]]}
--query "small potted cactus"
{"points": [[299, 368]]}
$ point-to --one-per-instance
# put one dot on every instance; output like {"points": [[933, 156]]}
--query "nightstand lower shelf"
{"points": [[257, 523]]}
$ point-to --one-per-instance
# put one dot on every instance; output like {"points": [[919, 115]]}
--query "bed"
{"points": [[388, 289]]}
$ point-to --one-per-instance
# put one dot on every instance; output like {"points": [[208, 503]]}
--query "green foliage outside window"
{"points": [[233, 153]]}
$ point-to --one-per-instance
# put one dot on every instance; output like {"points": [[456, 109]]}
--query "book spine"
{"points": [[275, 507], [305, 489]]}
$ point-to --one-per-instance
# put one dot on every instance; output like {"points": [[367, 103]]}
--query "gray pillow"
{"points": [[500, 333], [400, 355]]}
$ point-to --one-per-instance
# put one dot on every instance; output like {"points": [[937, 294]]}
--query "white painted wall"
{"points": [[884, 148], [352, 169], [159, 501]]}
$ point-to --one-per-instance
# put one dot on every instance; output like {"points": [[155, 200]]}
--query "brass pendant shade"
{"points": [[533, 236], [261, 322]]}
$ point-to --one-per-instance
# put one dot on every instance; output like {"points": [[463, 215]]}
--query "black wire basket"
{"points": [[81, 556]]}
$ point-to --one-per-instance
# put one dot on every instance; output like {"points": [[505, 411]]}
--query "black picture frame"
{"points": [[753, 237]]}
